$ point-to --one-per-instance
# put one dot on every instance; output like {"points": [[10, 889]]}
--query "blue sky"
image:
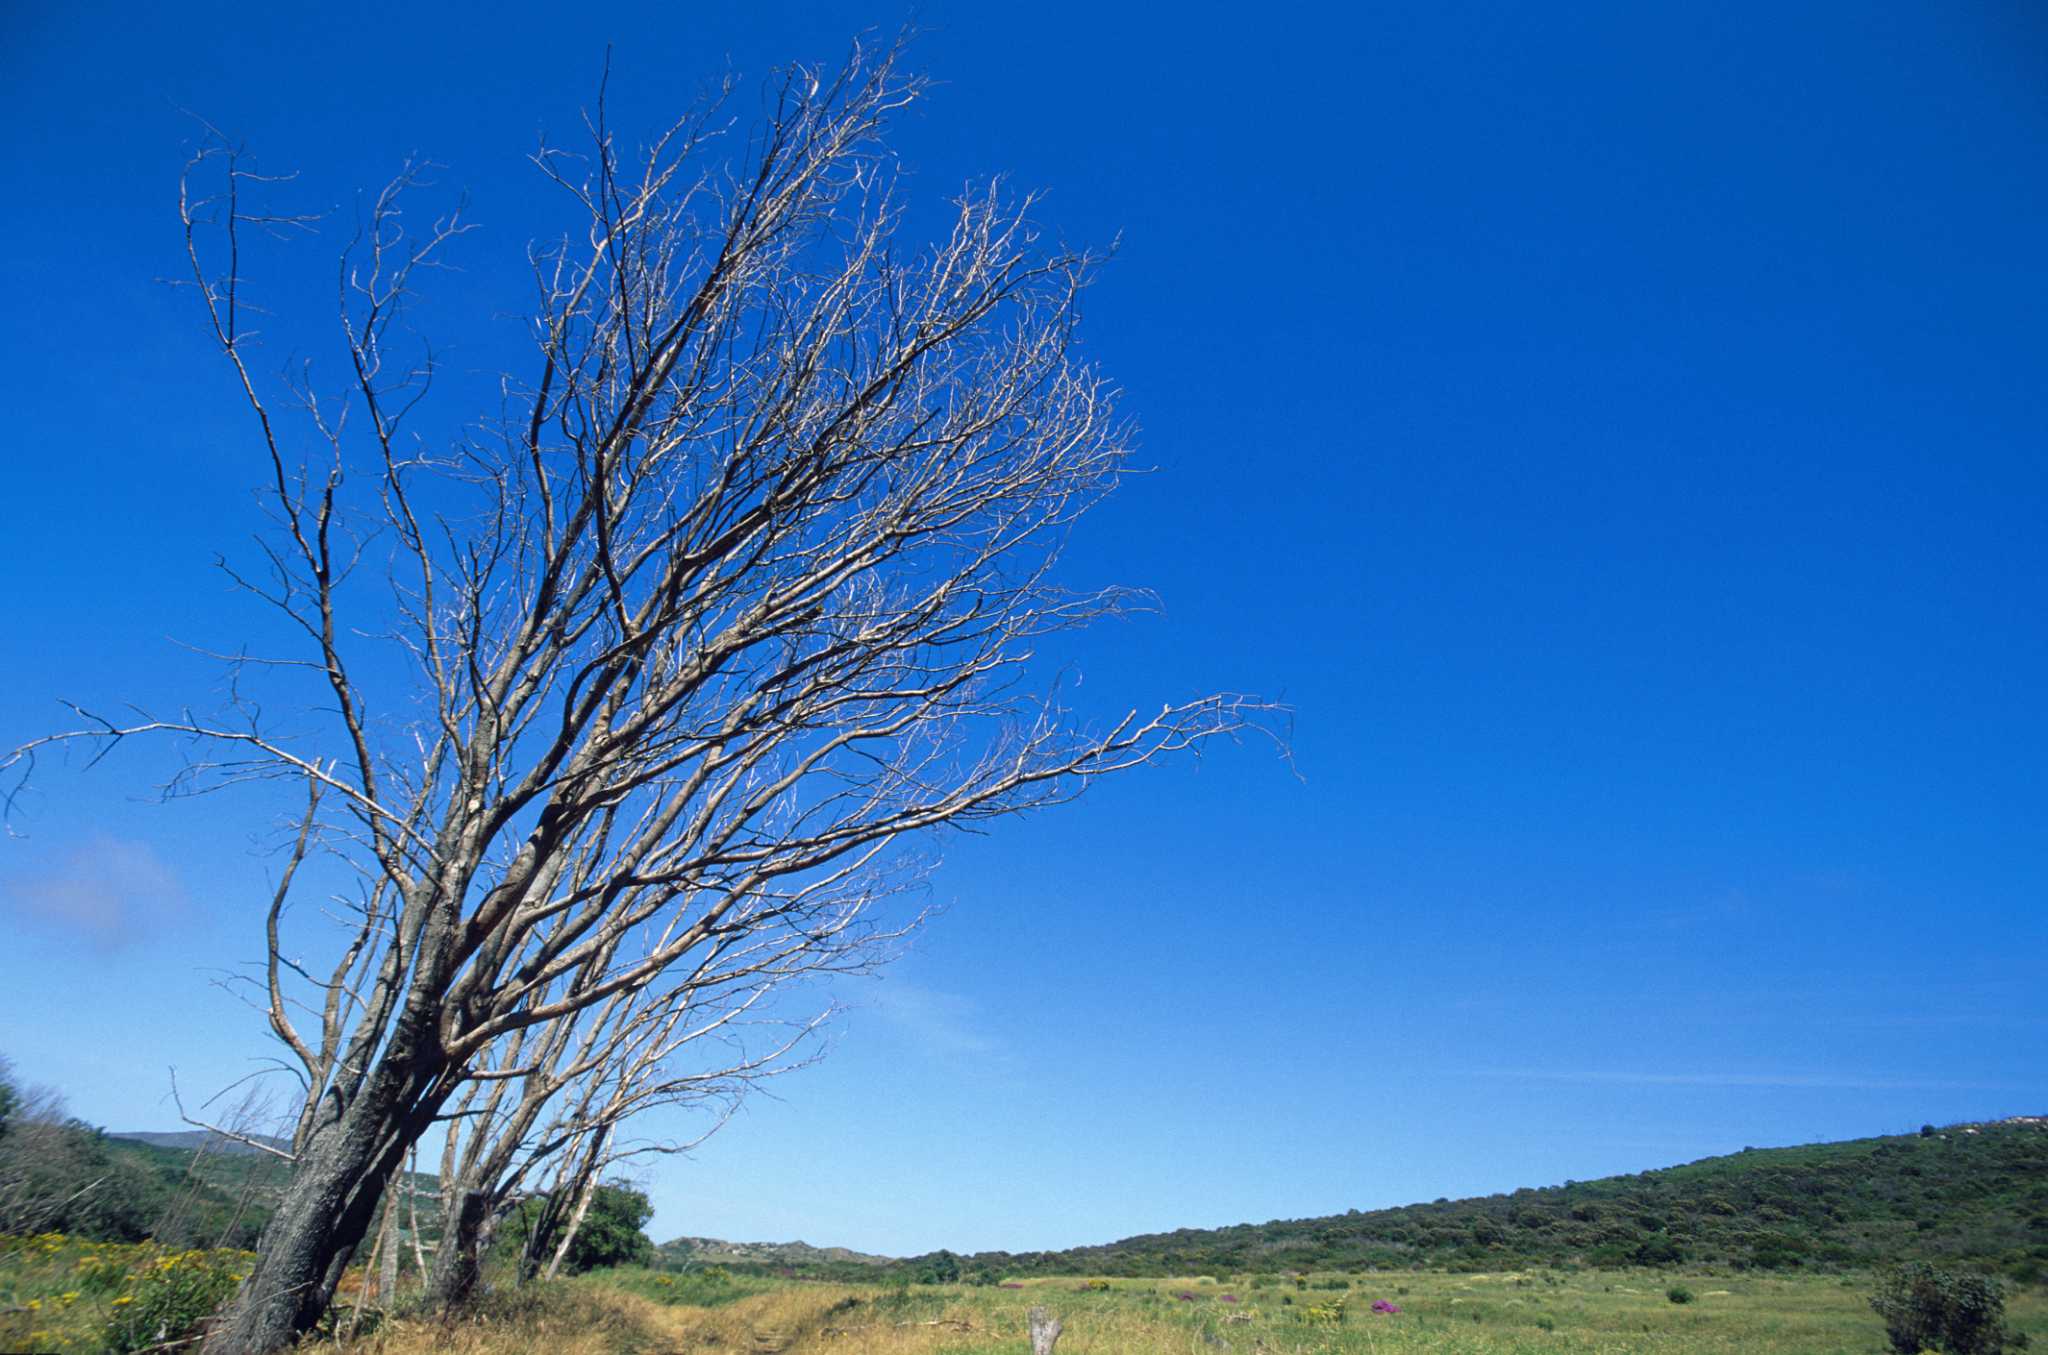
{"points": [[1618, 433]]}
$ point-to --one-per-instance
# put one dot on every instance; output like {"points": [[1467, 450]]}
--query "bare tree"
{"points": [[735, 600], [541, 1115]]}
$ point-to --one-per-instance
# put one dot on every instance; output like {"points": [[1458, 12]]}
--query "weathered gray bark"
{"points": [[332, 1200], [586, 1191], [412, 1212], [1045, 1331], [387, 1243], [318, 1225], [459, 1260]]}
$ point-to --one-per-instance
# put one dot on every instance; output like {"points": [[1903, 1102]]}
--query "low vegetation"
{"points": [[1970, 1198], [1516, 1313], [1927, 1308], [1930, 1241], [66, 1294]]}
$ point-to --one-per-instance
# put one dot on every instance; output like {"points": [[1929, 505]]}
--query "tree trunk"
{"points": [[1045, 1331], [329, 1206], [381, 1253], [540, 1232], [387, 1243], [459, 1260], [325, 1212], [586, 1191], [412, 1212]]}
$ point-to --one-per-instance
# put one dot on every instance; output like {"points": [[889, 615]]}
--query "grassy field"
{"points": [[1441, 1314], [63, 1295]]}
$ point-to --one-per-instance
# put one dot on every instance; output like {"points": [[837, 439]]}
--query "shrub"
{"points": [[1927, 1308], [1329, 1313], [939, 1267], [173, 1295], [1678, 1293], [1658, 1249], [609, 1236]]}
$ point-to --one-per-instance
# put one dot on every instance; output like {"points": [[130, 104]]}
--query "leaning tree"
{"points": [[730, 599], [542, 1115]]}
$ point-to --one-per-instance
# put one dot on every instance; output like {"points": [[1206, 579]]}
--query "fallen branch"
{"points": [[955, 1323]]}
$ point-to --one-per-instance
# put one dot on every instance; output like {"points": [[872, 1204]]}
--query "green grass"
{"points": [[75, 1296], [1516, 1313], [1499, 1314], [1537, 1312]]}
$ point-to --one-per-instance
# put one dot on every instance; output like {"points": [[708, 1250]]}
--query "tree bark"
{"points": [[1045, 1331], [459, 1260], [331, 1203], [387, 1243], [412, 1211], [307, 1244], [585, 1192]]}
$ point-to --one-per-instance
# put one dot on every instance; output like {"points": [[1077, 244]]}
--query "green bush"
{"points": [[176, 1292], [939, 1267], [1927, 1308], [610, 1236], [1678, 1293]]}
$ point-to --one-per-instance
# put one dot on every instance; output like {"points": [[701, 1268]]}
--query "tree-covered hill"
{"points": [[71, 1178], [1970, 1194], [204, 1140], [687, 1252], [184, 1189]]}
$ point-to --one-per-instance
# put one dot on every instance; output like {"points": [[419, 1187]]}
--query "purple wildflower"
{"points": [[1228, 1298], [1185, 1297], [1382, 1306]]}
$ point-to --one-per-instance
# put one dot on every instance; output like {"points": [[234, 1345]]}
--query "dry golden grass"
{"points": [[1514, 1314], [561, 1320], [576, 1319]]}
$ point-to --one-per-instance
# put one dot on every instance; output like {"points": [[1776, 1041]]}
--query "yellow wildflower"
{"points": [[125, 1298]]}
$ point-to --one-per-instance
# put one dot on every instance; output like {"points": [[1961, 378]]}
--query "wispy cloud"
{"points": [[110, 891], [938, 1023], [1813, 1081]]}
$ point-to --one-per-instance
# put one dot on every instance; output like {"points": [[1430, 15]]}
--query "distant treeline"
{"points": [[1974, 1196]]}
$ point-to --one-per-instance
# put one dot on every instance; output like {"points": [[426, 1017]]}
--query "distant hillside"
{"points": [[187, 1189], [202, 1140], [695, 1251], [1971, 1194]]}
